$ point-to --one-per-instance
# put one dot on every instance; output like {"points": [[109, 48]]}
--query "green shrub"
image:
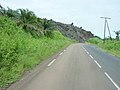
{"points": [[111, 46], [19, 51], [94, 40]]}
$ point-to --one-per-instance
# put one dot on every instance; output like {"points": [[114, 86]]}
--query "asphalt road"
{"points": [[78, 67]]}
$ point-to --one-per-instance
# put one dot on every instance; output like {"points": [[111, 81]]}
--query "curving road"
{"points": [[78, 67]]}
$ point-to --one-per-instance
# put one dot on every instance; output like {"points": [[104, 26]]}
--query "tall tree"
{"points": [[2, 10], [117, 34], [45, 24], [1, 6], [29, 21]]}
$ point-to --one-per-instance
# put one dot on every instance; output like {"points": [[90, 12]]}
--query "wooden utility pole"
{"points": [[106, 25]]}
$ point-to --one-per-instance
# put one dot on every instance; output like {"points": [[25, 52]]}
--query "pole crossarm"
{"points": [[105, 17]]}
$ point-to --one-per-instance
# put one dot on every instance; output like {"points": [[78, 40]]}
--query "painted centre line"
{"points": [[87, 52], [97, 64], [91, 56], [83, 48], [51, 62], [112, 81]]}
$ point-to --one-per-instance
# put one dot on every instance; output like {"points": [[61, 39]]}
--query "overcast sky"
{"points": [[85, 13]]}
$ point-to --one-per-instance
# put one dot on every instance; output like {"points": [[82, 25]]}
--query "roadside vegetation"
{"points": [[111, 46], [25, 41]]}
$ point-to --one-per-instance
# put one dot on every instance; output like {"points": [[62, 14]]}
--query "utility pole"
{"points": [[106, 25]]}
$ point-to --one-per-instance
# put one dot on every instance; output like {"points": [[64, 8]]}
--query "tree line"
{"points": [[27, 19]]}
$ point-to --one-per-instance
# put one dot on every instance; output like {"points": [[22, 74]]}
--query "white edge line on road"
{"points": [[51, 62], [97, 64], [61, 53], [64, 50], [112, 81], [91, 56]]}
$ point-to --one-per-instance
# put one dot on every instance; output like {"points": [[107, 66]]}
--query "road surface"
{"points": [[78, 67]]}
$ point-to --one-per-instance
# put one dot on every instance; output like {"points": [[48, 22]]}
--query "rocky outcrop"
{"points": [[73, 32]]}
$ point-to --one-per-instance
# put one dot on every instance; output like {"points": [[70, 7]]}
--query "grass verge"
{"points": [[110, 46], [19, 51]]}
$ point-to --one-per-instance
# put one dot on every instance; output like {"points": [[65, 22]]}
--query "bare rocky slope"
{"points": [[73, 32]]}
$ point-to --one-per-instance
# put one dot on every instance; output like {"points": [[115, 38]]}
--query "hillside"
{"points": [[20, 51], [73, 32], [39, 27]]}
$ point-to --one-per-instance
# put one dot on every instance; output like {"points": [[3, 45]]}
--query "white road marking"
{"points": [[64, 50], [83, 48], [87, 52], [97, 64], [91, 56], [51, 62], [112, 81], [61, 53]]}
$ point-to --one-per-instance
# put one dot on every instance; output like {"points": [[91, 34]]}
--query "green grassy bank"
{"points": [[20, 51], [111, 46]]}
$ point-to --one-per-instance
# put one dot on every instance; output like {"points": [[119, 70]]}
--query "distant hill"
{"points": [[73, 32], [38, 27]]}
